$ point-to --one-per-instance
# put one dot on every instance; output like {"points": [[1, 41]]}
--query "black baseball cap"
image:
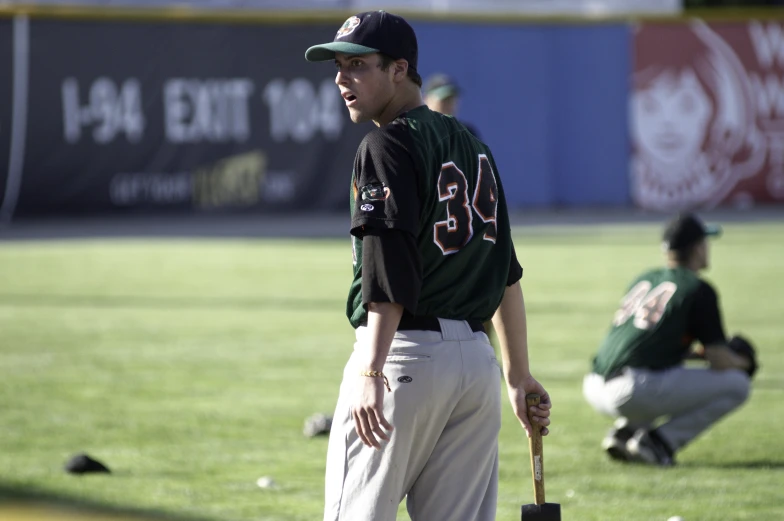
{"points": [[366, 33], [687, 229], [441, 86]]}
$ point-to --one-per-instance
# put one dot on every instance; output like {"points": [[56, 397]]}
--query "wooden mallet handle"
{"points": [[535, 449]]}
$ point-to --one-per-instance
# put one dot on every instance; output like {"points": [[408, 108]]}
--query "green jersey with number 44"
{"points": [[652, 328], [426, 175]]}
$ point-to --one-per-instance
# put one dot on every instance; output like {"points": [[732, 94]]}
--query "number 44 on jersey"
{"points": [[646, 305]]}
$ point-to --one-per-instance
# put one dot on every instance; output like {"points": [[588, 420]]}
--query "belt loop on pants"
{"points": [[456, 329]]}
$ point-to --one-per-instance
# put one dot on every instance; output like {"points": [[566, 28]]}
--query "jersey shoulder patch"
{"points": [[374, 192]]}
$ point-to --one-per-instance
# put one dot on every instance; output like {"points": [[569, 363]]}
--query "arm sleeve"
{"points": [[386, 195], [515, 270], [705, 320], [391, 268]]}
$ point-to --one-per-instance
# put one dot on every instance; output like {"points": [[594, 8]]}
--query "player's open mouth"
{"points": [[349, 98]]}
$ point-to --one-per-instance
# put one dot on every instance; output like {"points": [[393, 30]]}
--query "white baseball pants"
{"points": [[691, 399], [445, 407]]}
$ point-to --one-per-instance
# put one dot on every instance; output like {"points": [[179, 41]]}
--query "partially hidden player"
{"points": [[419, 409], [442, 94], [639, 375]]}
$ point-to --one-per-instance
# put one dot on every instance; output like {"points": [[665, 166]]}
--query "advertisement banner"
{"points": [[6, 93], [127, 116], [707, 115]]}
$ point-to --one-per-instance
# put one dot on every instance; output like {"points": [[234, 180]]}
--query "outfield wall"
{"points": [[143, 113], [549, 99]]}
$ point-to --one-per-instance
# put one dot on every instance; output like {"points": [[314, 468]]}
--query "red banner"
{"points": [[707, 115]]}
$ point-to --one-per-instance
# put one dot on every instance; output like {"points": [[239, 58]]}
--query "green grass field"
{"points": [[188, 367]]}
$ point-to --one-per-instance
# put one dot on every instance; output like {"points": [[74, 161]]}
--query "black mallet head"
{"points": [[543, 512]]}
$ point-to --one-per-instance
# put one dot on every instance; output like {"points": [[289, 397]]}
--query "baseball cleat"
{"points": [[644, 449], [614, 444]]}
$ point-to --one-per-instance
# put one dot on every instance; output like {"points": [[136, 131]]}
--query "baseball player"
{"points": [[419, 409], [639, 376], [442, 94]]}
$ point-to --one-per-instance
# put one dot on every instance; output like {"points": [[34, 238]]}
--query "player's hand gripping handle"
{"points": [[535, 449]]}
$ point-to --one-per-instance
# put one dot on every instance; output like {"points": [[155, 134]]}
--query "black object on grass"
{"points": [[83, 464]]}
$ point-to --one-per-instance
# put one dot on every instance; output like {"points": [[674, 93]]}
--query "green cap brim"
{"points": [[443, 92], [326, 51], [712, 230]]}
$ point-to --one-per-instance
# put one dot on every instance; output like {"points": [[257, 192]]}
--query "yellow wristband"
{"points": [[376, 374]]}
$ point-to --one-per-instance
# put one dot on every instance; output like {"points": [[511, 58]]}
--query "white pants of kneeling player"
{"points": [[692, 399], [443, 452]]}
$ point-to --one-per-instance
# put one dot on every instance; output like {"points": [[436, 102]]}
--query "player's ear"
{"points": [[401, 70]]}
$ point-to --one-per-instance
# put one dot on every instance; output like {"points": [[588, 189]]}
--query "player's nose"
{"points": [[340, 78]]}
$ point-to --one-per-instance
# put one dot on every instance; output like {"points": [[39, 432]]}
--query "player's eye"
{"points": [[357, 63]]}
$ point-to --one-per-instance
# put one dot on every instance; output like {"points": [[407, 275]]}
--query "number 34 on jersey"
{"points": [[454, 232]]}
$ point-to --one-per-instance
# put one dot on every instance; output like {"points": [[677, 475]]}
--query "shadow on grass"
{"points": [[764, 464], [167, 303], [31, 504]]}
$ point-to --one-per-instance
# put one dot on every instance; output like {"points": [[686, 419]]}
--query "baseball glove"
{"points": [[743, 347]]}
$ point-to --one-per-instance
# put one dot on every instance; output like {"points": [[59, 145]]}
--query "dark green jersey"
{"points": [[425, 175], [663, 312]]}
